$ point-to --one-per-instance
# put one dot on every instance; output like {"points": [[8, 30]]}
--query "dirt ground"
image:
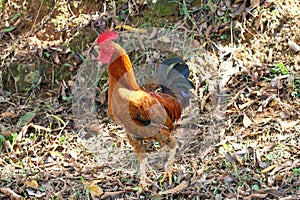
{"points": [[239, 138]]}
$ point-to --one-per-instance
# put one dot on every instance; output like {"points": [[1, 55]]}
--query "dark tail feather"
{"points": [[173, 75]]}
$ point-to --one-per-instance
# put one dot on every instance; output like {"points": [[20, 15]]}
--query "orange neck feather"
{"points": [[120, 70]]}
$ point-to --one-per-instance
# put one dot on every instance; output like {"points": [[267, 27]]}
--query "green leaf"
{"points": [[82, 179], [1, 138], [16, 16], [67, 65], [65, 98], [136, 188], [284, 71], [296, 171], [6, 179], [255, 187], [42, 188], [279, 65], [223, 37], [9, 29], [47, 54], [156, 144], [25, 119]]}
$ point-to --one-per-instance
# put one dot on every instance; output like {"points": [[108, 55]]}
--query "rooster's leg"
{"points": [[173, 145], [137, 145]]}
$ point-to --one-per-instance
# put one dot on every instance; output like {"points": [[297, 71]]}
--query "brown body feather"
{"points": [[130, 106]]}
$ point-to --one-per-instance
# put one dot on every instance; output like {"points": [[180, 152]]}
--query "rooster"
{"points": [[145, 115]]}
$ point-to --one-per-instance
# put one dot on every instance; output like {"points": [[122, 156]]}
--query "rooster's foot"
{"points": [[166, 174], [143, 186]]}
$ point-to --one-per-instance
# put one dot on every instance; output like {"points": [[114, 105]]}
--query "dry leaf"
{"points": [[35, 193], [8, 114], [239, 11], [55, 57], [32, 184], [109, 194], [285, 125], [6, 133], [179, 187], [266, 170], [95, 190], [247, 121], [56, 154], [294, 46], [165, 39], [71, 83], [74, 154], [254, 3], [249, 103]]}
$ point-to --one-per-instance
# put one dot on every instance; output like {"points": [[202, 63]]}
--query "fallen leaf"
{"points": [[56, 154], [239, 11], [35, 193], [246, 121], [32, 184], [266, 170], [25, 119], [249, 103], [294, 46], [95, 190], [179, 187], [109, 194], [74, 154], [165, 39], [254, 3], [285, 125], [8, 114]]}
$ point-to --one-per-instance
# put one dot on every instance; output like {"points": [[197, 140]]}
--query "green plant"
{"points": [[62, 139], [185, 10], [296, 171], [296, 87], [2, 139], [32, 136], [11, 138], [279, 69], [1, 4]]}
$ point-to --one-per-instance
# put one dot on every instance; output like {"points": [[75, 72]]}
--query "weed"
{"points": [[296, 171], [279, 69]]}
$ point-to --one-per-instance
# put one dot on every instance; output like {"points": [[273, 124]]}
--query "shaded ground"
{"points": [[243, 137]]}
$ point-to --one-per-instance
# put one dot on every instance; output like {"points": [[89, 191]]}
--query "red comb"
{"points": [[107, 35]]}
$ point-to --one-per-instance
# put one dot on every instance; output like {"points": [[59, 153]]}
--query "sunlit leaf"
{"points": [[32, 184], [95, 190], [56, 154], [266, 170]]}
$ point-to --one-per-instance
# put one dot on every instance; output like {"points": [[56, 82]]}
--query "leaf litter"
{"points": [[245, 130]]}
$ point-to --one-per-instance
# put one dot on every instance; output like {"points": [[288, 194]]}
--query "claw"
{"points": [[167, 174], [143, 186]]}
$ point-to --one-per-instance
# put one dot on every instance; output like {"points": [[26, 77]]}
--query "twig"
{"points": [[37, 15], [10, 193], [31, 32], [179, 187], [109, 194]]}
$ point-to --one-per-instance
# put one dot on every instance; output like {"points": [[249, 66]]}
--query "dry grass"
{"points": [[240, 138]]}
